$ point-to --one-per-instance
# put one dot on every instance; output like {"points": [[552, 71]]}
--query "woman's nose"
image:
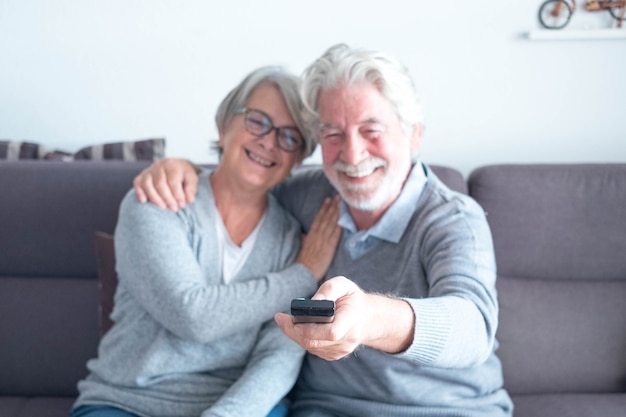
{"points": [[270, 139]]}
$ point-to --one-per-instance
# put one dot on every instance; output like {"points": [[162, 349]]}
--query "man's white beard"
{"points": [[370, 196]]}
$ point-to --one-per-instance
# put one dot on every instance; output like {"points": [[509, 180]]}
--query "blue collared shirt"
{"points": [[391, 225]]}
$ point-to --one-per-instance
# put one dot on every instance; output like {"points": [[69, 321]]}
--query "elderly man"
{"points": [[414, 275]]}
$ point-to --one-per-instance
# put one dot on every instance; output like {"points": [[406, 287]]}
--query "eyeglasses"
{"points": [[288, 138]]}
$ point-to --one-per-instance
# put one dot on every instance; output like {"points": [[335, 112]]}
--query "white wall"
{"points": [[78, 72]]}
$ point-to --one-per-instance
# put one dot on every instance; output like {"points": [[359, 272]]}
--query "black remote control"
{"points": [[305, 310]]}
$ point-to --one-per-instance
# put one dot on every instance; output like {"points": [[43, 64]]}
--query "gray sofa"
{"points": [[560, 239]]}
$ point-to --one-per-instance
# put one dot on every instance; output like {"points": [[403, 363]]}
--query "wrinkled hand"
{"points": [[332, 341], [361, 318], [168, 183], [319, 245]]}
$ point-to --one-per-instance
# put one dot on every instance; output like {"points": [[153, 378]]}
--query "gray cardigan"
{"points": [[183, 343]]}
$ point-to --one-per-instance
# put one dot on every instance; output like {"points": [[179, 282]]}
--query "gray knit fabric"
{"points": [[184, 344]]}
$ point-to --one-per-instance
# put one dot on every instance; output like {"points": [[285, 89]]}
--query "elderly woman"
{"points": [[198, 288]]}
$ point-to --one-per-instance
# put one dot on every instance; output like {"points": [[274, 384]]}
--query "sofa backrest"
{"points": [[451, 177], [48, 288], [560, 242]]}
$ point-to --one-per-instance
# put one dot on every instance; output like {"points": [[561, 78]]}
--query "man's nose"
{"points": [[354, 149]]}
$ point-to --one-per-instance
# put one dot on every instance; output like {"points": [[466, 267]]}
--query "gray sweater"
{"points": [[184, 344], [433, 248]]}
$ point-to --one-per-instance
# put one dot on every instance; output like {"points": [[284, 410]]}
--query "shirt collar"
{"points": [[394, 221]]}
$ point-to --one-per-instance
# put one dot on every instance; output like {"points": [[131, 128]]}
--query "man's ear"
{"points": [[416, 137]]}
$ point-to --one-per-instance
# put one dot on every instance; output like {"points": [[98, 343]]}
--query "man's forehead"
{"points": [[362, 100]]}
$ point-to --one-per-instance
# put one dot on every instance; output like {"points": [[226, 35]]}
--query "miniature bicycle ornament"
{"points": [[556, 14]]}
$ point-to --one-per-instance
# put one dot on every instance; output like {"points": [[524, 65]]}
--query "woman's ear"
{"points": [[220, 138]]}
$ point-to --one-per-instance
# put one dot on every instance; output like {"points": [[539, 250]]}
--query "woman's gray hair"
{"points": [[287, 84], [341, 64]]}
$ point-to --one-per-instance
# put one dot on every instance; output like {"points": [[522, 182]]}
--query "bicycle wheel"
{"points": [[616, 12], [555, 14]]}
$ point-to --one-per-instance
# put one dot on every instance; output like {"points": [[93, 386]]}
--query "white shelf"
{"points": [[575, 34]]}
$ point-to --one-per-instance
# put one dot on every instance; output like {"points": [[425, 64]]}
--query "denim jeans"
{"points": [[107, 411], [100, 411]]}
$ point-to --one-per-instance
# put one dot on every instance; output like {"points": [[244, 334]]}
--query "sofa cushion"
{"points": [[50, 211], [570, 405], [48, 334], [35, 407], [562, 335], [559, 233], [556, 221]]}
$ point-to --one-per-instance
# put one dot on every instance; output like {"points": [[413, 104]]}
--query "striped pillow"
{"points": [[143, 150], [12, 151]]}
